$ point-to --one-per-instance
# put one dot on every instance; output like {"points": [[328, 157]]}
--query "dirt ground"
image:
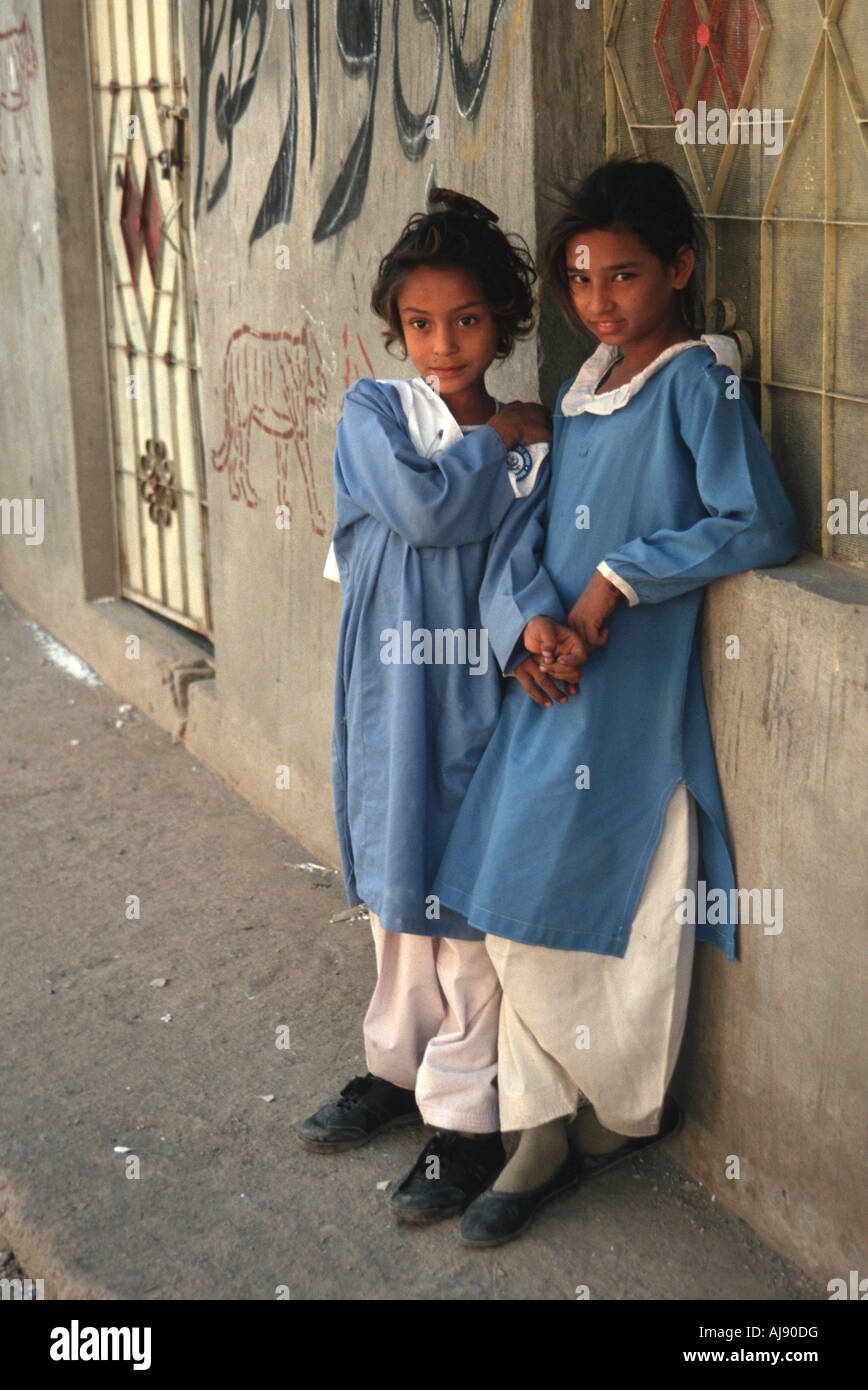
{"points": [[153, 1039]]}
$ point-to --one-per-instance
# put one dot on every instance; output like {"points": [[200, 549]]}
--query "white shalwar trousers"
{"points": [[431, 1026], [575, 1023]]}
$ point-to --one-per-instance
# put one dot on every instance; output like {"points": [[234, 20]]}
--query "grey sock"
{"points": [[590, 1137], [539, 1155]]}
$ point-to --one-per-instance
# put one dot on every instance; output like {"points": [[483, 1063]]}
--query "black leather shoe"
{"points": [[367, 1105], [449, 1172], [496, 1217]]}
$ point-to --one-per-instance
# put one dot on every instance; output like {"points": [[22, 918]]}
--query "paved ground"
{"points": [[101, 1064]]}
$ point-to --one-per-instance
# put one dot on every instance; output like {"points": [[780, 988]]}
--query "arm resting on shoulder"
{"points": [[454, 499]]}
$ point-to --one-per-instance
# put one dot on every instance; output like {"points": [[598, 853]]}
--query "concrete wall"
{"points": [[769, 1069], [276, 618], [37, 443]]}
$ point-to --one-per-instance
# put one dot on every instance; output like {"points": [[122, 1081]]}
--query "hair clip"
{"points": [[448, 200]]}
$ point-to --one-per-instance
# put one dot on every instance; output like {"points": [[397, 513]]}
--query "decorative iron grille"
{"points": [[785, 232], [140, 114]]}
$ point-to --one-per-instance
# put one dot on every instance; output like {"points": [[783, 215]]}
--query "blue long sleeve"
{"points": [[750, 523], [454, 499], [516, 586]]}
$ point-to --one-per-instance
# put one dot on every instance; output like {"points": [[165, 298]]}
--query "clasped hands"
{"points": [[558, 652]]}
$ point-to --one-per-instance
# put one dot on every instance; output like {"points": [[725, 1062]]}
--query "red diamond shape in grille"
{"points": [[131, 220], [151, 223], [729, 37]]}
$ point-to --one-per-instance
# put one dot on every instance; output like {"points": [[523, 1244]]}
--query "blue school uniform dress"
{"points": [[664, 484], [425, 515]]}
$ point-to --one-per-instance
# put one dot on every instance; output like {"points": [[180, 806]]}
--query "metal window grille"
{"points": [[785, 233], [143, 178]]}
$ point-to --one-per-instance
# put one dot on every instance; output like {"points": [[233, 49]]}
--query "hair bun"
{"points": [[447, 200]]}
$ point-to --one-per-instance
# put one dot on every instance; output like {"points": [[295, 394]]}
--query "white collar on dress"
{"points": [[581, 397]]}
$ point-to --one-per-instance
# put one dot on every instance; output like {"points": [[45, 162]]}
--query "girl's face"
{"points": [[621, 291], [449, 331]]}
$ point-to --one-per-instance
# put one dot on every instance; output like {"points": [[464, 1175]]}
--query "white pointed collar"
{"points": [[581, 397]]}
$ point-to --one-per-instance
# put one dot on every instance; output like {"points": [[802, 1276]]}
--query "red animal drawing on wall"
{"points": [[18, 67], [271, 381]]}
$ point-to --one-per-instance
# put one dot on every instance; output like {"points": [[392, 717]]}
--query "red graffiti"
{"points": [[351, 361], [272, 381], [18, 67]]}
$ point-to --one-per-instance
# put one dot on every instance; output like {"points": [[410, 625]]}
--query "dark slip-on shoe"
{"points": [[670, 1122], [496, 1217]]}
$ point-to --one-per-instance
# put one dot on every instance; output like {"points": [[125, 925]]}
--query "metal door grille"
{"points": [[786, 246], [140, 111]]}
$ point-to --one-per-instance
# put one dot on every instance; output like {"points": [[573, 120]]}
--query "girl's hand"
{"points": [[588, 615], [522, 422], [559, 651], [539, 684]]}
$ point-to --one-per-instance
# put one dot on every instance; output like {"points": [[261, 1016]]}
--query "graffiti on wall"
{"points": [[245, 41], [18, 67], [358, 36], [356, 360], [272, 382]]}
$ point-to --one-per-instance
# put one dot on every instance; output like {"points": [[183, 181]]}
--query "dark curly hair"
{"points": [[636, 195], [461, 233]]}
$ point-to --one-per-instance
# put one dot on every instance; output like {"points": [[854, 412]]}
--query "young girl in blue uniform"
{"points": [[440, 495], [591, 827]]}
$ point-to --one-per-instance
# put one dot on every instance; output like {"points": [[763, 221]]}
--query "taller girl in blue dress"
{"points": [[592, 844]]}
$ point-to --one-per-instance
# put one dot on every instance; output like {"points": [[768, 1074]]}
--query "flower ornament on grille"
{"points": [[157, 481]]}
